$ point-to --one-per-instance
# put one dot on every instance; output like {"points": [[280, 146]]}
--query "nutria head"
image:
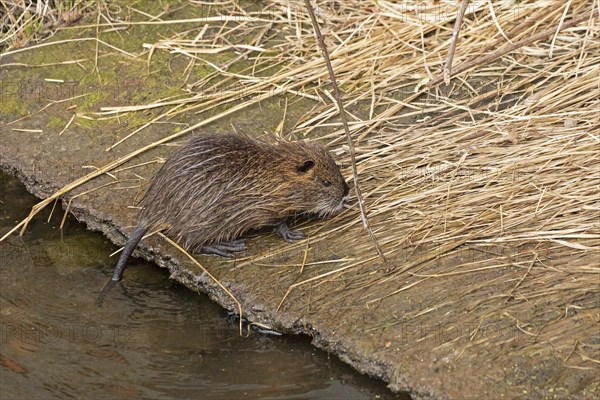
{"points": [[318, 185]]}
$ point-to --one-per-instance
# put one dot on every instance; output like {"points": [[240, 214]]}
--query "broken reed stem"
{"points": [[447, 72], [508, 48], [214, 279], [340, 105]]}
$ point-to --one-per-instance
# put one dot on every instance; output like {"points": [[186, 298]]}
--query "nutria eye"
{"points": [[326, 183]]}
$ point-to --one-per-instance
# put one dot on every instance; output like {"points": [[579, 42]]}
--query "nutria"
{"points": [[217, 187]]}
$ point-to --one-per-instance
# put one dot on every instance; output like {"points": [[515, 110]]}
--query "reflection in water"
{"points": [[151, 339]]}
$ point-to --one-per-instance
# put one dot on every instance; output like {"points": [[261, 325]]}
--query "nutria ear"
{"points": [[305, 167]]}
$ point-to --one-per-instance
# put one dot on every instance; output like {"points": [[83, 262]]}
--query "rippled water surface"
{"points": [[152, 339]]}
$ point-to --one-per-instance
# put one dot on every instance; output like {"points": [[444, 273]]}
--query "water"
{"points": [[152, 339]]}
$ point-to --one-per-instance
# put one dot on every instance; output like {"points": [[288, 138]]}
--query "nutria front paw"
{"points": [[284, 231]]}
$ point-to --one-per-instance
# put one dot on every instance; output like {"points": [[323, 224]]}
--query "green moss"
{"points": [[12, 107], [14, 96], [56, 122], [90, 101]]}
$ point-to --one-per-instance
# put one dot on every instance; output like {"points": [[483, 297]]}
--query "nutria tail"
{"points": [[131, 244]]}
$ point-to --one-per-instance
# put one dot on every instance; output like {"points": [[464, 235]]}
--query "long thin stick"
{"points": [[338, 98], [447, 72]]}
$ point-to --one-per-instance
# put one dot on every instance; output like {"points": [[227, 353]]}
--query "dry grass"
{"points": [[493, 179], [23, 21]]}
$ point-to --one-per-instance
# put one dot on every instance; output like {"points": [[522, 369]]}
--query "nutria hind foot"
{"points": [[223, 249], [284, 231]]}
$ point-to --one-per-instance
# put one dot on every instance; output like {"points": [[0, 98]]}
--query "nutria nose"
{"points": [[346, 189]]}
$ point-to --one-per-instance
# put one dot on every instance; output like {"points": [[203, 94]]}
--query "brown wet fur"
{"points": [[217, 187]]}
